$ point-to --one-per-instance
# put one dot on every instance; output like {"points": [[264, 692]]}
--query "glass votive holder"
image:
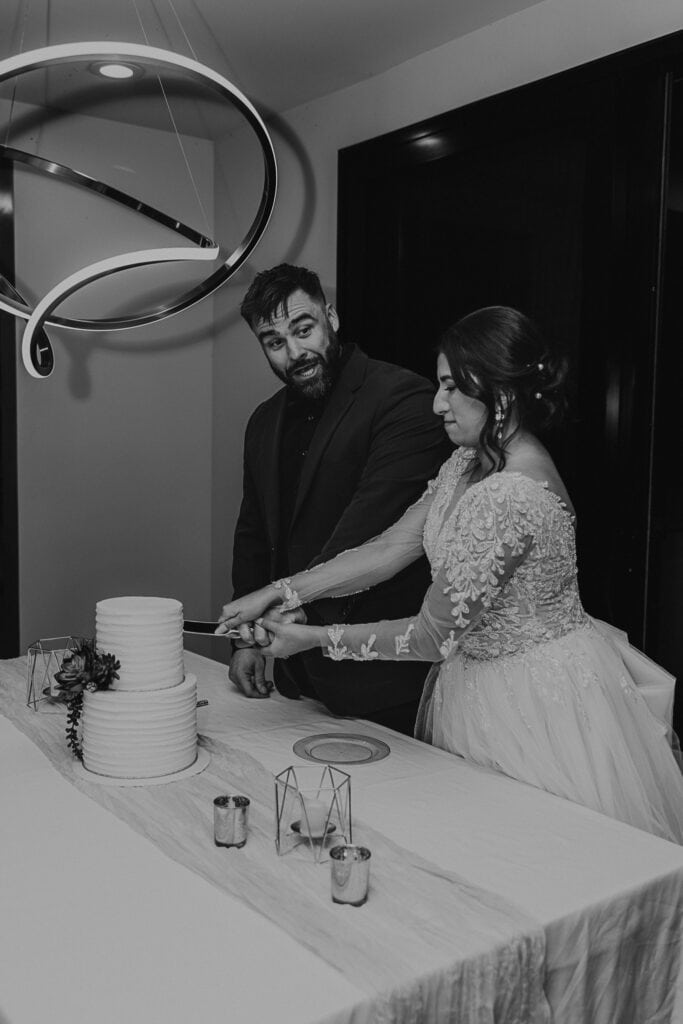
{"points": [[230, 820], [350, 874]]}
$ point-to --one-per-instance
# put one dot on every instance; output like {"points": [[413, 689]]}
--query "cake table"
{"points": [[106, 926]]}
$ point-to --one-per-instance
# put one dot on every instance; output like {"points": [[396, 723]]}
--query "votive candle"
{"points": [[314, 816]]}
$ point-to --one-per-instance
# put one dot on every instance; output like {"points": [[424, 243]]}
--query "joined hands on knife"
{"points": [[250, 634]]}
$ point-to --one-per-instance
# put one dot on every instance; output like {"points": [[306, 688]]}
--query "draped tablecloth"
{"points": [[464, 863]]}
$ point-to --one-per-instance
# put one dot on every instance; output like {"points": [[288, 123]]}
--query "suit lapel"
{"points": [[269, 465], [341, 399]]}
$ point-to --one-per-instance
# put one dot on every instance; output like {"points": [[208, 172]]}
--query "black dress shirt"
{"points": [[302, 416], [301, 419]]}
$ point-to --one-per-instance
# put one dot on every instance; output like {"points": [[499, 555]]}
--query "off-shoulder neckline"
{"points": [[544, 485]]}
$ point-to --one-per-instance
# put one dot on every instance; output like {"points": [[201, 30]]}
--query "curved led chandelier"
{"points": [[37, 352]]}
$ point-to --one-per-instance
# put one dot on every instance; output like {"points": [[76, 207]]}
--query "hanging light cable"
{"points": [[14, 85], [13, 96], [175, 127], [182, 29]]}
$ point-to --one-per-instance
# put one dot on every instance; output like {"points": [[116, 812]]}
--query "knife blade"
{"points": [[208, 629]]}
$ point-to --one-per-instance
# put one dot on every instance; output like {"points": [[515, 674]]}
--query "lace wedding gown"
{"points": [[524, 681]]}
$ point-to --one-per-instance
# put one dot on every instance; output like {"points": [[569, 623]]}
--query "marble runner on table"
{"points": [[427, 945]]}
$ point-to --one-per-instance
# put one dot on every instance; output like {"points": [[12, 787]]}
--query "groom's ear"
{"points": [[332, 316]]}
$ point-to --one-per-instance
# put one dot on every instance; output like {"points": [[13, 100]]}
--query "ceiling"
{"points": [[280, 53]]}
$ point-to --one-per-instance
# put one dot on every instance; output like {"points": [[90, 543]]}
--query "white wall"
{"points": [[114, 449], [540, 41]]}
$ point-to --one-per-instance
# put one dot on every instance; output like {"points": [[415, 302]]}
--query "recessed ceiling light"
{"points": [[109, 69]]}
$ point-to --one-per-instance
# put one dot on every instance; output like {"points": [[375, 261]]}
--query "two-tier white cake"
{"points": [[145, 726]]}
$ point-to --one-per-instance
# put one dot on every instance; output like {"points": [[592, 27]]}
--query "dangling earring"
{"points": [[500, 422]]}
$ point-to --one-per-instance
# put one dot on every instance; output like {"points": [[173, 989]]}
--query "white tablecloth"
{"points": [[98, 925]]}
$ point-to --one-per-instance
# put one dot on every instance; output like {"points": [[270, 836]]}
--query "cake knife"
{"points": [[208, 629]]}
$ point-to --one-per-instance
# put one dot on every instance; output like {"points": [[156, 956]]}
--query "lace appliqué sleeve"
{"points": [[366, 651], [335, 650], [402, 641], [449, 645], [361, 568], [338, 651], [492, 533], [493, 528], [290, 596]]}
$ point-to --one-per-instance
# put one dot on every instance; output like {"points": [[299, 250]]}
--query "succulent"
{"points": [[72, 677], [85, 668]]}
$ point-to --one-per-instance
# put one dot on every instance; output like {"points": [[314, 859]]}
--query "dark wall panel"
{"points": [[548, 198]]}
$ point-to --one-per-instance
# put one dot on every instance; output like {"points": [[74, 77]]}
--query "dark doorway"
{"points": [[664, 625], [547, 198]]}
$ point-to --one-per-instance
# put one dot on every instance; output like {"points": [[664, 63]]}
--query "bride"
{"points": [[523, 681]]}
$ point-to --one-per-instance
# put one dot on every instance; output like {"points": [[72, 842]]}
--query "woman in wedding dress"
{"points": [[524, 680]]}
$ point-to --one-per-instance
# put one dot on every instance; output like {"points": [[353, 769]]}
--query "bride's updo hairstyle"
{"points": [[497, 356]]}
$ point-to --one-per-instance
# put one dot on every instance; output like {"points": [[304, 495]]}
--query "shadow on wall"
{"points": [[80, 350]]}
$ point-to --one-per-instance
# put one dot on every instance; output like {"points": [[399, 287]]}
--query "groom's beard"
{"points": [[320, 385]]}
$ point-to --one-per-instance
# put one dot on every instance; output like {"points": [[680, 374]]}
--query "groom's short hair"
{"points": [[271, 289]]}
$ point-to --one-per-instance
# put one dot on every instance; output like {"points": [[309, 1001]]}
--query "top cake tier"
{"points": [[146, 635]]}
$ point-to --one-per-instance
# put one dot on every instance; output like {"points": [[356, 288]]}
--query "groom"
{"points": [[330, 460]]}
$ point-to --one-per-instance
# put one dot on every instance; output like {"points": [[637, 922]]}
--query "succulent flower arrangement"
{"points": [[85, 668]]}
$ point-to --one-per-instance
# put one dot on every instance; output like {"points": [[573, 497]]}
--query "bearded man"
{"points": [[330, 460]]}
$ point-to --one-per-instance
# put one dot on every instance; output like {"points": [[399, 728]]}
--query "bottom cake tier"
{"points": [[140, 734]]}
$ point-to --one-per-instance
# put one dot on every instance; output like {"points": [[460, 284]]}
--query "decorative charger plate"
{"points": [[341, 748]]}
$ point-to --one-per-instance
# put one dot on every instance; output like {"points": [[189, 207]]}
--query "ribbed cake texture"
{"points": [[146, 635], [145, 726]]}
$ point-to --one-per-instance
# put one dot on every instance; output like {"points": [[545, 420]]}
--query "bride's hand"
{"points": [[287, 638], [248, 608], [259, 636]]}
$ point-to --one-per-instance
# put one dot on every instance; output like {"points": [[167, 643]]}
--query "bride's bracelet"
{"points": [[291, 598]]}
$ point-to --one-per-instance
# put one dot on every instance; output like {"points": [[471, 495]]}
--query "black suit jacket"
{"points": [[376, 445]]}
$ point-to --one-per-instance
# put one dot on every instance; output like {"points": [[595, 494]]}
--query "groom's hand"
{"points": [[247, 665], [247, 672]]}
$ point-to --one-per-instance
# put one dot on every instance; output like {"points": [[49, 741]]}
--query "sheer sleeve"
{"points": [[491, 535], [361, 568]]}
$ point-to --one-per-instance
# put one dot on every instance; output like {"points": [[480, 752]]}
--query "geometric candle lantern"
{"points": [[312, 809], [45, 658]]}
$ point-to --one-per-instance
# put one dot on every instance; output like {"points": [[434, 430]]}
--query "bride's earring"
{"points": [[500, 422]]}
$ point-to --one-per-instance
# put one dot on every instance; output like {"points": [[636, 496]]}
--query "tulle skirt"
{"points": [[569, 716]]}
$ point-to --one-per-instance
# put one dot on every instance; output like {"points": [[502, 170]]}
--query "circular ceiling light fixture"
{"points": [[116, 71], [37, 352]]}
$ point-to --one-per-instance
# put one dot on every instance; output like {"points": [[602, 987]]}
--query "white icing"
{"points": [[145, 726], [146, 635], [140, 734]]}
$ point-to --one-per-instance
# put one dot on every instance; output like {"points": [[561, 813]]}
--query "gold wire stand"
{"points": [[295, 788], [45, 658]]}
